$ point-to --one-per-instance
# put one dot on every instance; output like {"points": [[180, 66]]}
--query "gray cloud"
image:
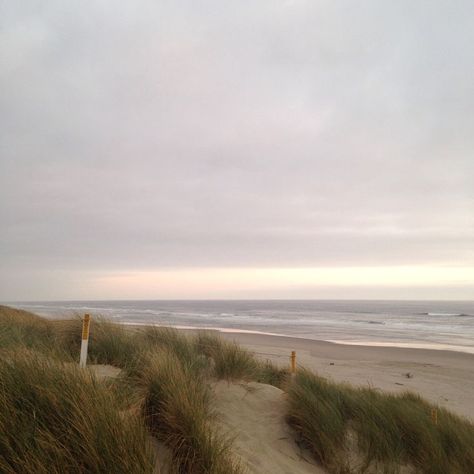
{"points": [[288, 133]]}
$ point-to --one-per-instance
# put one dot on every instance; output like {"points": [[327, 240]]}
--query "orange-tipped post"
{"points": [[293, 362], [85, 340]]}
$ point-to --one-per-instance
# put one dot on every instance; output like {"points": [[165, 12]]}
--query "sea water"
{"points": [[429, 324]]}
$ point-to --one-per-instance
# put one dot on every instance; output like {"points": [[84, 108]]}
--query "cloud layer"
{"points": [[155, 135]]}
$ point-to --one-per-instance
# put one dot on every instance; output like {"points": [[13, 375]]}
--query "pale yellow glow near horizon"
{"points": [[224, 282]]}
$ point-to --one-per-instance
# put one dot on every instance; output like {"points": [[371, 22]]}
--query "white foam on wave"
{"points": [[408, 345], [445, 314], [200, 328]]}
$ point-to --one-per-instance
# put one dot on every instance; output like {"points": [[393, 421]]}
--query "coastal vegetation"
{"points": [[55, 417], [386, 431]]}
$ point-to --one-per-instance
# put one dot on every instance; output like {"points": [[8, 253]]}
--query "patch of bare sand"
{"points": [[104, 371], [254, 414]]}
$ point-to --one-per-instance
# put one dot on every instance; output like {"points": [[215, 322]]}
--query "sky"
{"points": [[271, 149]]}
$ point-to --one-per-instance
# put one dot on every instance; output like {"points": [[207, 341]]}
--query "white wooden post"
{"points": [[85, 340]]}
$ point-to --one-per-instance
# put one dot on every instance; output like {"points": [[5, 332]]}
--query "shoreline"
{"points": [[399, 345]]}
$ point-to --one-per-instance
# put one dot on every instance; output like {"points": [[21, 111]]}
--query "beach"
{"points": [[445, 378]]}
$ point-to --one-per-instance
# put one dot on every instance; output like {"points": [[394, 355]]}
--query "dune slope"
{"points": [[254, 414]]}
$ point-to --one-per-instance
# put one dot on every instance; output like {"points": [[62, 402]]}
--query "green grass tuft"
{"points": [[390, 430], [109, 343], [18, 327], [230, 361], [269, 373], [177, 405], [56, 418], [178, 343]]}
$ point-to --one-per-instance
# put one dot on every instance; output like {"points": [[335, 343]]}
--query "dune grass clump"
{"points": [[271, 374], [390, 430], [166, 370], [171, 339], [177, 407], [56, 418], [18, 327], [109, 343], [316, 410], [113, 344], [230, 361]]}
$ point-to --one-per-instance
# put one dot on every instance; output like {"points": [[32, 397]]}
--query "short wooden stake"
{"points": [[85, 340], [434, 415], [293, 362]]}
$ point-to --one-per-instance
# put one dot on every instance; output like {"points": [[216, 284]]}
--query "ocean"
{"points": [[424, 324]]}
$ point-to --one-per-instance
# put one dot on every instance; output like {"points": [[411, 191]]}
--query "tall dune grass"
{"points": [[174, 393], [18, 327], [178, 408], [178, 343], [230, 361], [56, 418], [233, 362], [389, 430], [109, 343]]}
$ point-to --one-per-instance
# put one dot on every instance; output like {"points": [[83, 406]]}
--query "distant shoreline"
{"points": [[398, 345], [437, 326]]}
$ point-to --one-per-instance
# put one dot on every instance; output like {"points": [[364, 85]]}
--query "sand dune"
{"points": [[253, 413]]}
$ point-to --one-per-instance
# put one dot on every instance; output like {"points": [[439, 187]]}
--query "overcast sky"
{"points": [[150, 147]]}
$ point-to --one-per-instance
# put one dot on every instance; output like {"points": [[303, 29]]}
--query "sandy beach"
{"points": [[445, 378]]}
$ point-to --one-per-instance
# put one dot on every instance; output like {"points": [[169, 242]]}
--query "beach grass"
{"points": [[109, 343], [229, 360], [177, 403], [57, 418], [271, 374], [386, 430], [18, 327], [163, 374], [178, 343]]}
